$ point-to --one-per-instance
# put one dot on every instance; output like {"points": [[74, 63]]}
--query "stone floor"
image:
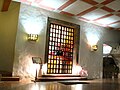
{"points": [[98, 84]]}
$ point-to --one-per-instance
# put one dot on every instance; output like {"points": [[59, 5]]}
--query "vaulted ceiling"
{"points": [[101, 12]]}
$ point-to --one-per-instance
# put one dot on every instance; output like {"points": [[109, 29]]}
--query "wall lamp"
{"points": [[94, 47], [32, 37]]}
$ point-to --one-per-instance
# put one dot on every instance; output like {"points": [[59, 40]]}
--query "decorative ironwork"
{"points": [[60, 49]]}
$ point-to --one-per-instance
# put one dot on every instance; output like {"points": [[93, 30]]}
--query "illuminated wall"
{"points": [[93, 61], [29, 23], [34, 20]]}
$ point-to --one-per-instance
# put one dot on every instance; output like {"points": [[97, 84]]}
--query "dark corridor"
{"points": [[110, 69]]}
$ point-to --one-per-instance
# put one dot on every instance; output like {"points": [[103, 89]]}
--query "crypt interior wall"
{"points": [[35, 19]]}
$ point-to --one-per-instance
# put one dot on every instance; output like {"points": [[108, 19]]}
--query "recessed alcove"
{"points": [[61, 46]]}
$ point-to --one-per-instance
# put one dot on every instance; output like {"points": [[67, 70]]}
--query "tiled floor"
{"points": [[109, 84]]}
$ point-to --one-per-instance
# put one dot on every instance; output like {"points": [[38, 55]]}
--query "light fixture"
{"points": [[94, 47], [32, 37]]}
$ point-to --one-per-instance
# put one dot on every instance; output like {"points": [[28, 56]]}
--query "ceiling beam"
{"points": [[6, 5]]}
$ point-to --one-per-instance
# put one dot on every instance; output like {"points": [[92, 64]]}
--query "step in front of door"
{"points": [[9, 78]]}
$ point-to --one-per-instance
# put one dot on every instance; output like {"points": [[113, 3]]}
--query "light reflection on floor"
{"points": [[94, 85], [76, 87]]}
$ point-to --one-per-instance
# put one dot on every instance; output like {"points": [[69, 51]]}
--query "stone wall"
{"points": [[25, 50], [92, 61]]}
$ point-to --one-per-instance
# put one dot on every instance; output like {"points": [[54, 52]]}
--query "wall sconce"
{"points": [[94, 47], [32, 37]]}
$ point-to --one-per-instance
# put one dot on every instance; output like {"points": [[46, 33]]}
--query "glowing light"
{"points": [[32, 26], [32, 37], [32, 22], [35, 87], [33, 69], [106, 49], [44, 69], [94, 47], [29, 67], [42, 87], [76, 69], [77, 87], [92, 39]]}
